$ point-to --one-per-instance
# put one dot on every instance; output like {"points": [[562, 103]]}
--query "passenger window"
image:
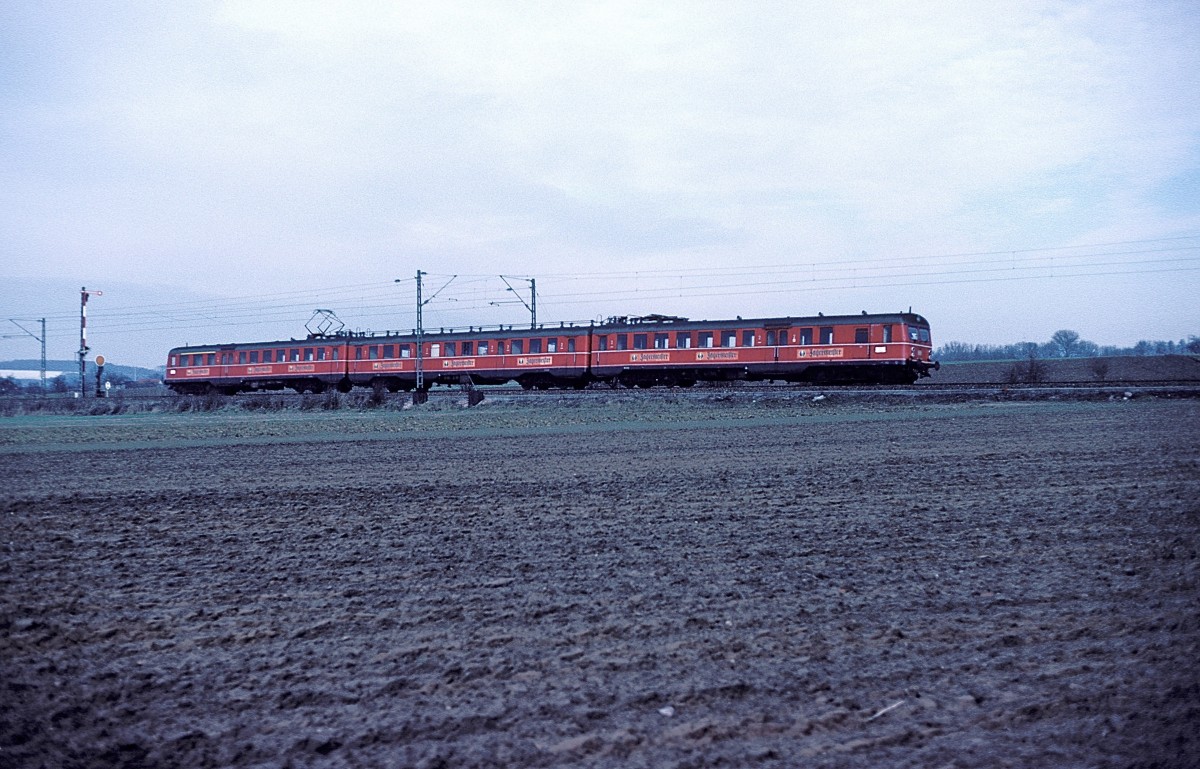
{"points": [[826, 334], [622, 341], [806, 336], [729, 339], [321, 352], [406, 351], [861, 335], [661, 341], [683, 340], [535, 346], [517, 346], [887, 334], [389, 351], [602, 343], [373, 352], [747, 339], [483, 348], [254, 356], [706, 339], [450, 349], [333, 353], [639, 341], [468, 348], [212, 358], [241, 356], [570, 344], [552, 345]]}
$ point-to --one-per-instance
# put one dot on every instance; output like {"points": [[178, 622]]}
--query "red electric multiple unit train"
{"points": [[630, 351]]}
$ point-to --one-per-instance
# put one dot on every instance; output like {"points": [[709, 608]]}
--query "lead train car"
{"points": [[632, 351]]}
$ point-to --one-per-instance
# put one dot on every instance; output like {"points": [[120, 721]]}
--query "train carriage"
{"points": [[644, 351]]}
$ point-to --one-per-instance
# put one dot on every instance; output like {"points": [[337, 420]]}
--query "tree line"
{"points": [[1064, 343]]}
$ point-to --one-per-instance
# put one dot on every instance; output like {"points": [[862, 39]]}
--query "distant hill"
{"points": [[70, 368]]}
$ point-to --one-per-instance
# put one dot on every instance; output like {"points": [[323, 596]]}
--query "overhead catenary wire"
{"points": [[378, 305]]}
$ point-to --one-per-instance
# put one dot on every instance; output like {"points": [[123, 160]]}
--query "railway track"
{"points": [[289, 399]]}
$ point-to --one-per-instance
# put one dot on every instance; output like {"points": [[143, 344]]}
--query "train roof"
{"points": [[630, 323]]}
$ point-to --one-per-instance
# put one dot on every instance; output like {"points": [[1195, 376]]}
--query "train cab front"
{"points": [[920, 346]]}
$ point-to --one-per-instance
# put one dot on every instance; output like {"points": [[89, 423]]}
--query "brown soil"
{"points": [[954, 586], [1154, 368]]}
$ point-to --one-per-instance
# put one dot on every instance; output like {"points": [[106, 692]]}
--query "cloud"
{"points": [[287, 143]]}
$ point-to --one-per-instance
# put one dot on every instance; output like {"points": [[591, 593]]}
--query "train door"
{"points": [[776, 338]]}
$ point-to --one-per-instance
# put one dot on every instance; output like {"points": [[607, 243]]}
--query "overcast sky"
{"points": [[220, 170]]}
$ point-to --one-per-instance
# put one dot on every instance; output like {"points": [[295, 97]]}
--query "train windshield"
{"points": [[918, 334]]}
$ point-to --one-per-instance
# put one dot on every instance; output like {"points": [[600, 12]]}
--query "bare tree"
{"points": [[1066, 342]]}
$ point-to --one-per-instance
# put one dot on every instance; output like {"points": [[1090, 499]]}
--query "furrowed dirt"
{"points": [[953, 585]]}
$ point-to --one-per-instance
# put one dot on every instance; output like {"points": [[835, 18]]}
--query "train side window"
{"points": [[241, 357], [212, 359], [373, 352], [747, 339], [450, 351], [358, 352], [552, 344], [406, 351], [729, 339], [483, 348], [468, 348], [294, 355], [389, 351], [826, 334], [570, 344], [601, 343], [535, 346], [706, 339], [322, 352], [862, 335], [517, 347], [308, 353], [622, 341], [639, 341], [661, 341], [254, 356], [887, 334], [333, 352], [683, 340], [806, 336]]}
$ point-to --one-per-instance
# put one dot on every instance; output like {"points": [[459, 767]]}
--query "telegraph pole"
{"points": [[41, 339], [419, 393], [531, 305], [83, 346]]}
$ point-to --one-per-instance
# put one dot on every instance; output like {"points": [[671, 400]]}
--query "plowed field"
{"points": [[955, 585]]}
